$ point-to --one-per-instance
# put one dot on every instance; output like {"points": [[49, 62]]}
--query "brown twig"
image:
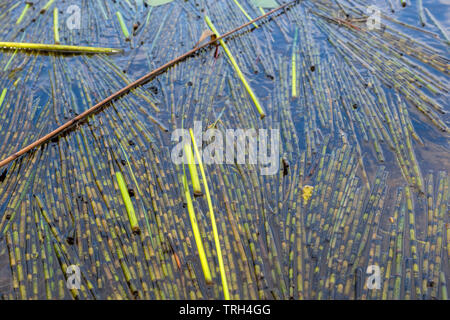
{"points": [[129, 87]]}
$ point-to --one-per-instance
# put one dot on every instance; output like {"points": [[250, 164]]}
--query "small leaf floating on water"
{"points": [[204, 36]]}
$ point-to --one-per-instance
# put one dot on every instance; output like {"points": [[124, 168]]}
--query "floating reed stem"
{"points": [[196, 231], [193, 170], [56, 48], [294, 66], [125, 89], [223, 275], [56, 25], [24, 12], [47, 6], [127, 200], [236, 67], [245, 12], [123, 26], [2, 97]]}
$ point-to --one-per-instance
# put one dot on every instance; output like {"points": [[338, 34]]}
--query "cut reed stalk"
{"points": [[123, 26], [24, 12], [56, 25], [55, 48], [128, 204], [294, 65], [236, 67], [47, 6], [192, 169], [125, 89], [245, 12], [196, 231], [223, 275], [2, 98]]}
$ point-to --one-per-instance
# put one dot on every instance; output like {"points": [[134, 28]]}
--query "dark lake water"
{"points": [[362, 157]]}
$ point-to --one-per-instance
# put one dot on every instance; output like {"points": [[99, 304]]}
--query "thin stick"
{"points": [[129, 87]]}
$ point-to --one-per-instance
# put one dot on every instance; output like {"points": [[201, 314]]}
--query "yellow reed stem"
{"points": [[238, 70], [123, 26], [2, 97], [47, 6], [24, 12], [57, 48], [56, 25], [192, 170], [195, 230], [294, 76], [245, 12], [294, 66], [223, 275], [127, 200]]}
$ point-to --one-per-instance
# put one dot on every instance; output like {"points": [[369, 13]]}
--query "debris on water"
{"points": [[307, 193]]}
